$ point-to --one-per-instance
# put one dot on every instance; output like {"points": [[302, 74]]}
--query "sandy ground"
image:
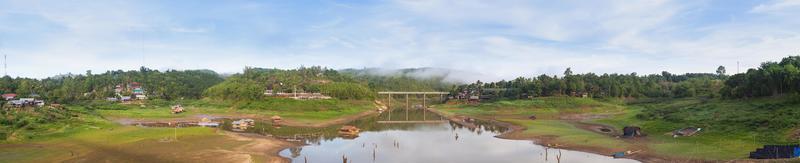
{"points": [[259, 146], [258, 149]]}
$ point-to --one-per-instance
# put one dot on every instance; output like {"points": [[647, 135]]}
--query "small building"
{"points": [[118, 89], [141, 97], [631, 131], [138, 91], [16, 103], [9, 96], [125, 98], [177, 109], [27, 99], [474, 99], [112, 99], [38, 103]]}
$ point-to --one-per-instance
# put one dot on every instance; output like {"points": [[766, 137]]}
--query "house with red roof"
{"points": [[9, 96]]}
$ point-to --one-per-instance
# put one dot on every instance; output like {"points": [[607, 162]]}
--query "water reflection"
{"points": [[440, 142]]}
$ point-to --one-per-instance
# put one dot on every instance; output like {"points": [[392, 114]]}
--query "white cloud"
{"points": [[500, 39], [777, 6]]}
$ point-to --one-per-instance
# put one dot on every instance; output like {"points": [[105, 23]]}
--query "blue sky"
{"points": [[497, 39]]}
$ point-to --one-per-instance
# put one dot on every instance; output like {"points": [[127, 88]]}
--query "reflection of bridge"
{"points": [[390, 95]]}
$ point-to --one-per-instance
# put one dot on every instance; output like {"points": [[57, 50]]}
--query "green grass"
{"points": [[87, 133], [708, 145], [566, 133], [309, 111], [731, 128], [545, 107]]}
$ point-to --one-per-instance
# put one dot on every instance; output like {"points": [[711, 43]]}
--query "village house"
{"points": [[16, 103], [474, 99], [296, 95], [118, 89], [9, 96], [38, 103], [141, 97], [24, 102]]}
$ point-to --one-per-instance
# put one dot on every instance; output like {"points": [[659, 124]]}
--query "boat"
{"points": [[205, 122], [349, 130], [242, 124]]}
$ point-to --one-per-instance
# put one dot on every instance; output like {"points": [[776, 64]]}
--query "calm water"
{"points": [[440, 143]]}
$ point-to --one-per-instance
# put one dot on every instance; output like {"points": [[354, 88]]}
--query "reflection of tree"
{"points": [[295, 151], [316, 135]]}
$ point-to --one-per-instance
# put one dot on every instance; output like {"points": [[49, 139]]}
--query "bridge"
{"points": [[390, 96]]}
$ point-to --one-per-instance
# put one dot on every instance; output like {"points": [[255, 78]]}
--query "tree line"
{"points": [[599, 86], [252, 83], [70, 88], [770, 79]]}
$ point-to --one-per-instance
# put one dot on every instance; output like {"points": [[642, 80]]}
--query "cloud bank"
{"points": [[499, 39]]}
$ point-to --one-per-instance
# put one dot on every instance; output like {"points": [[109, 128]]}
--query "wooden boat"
{"points": [[276, 119], [349, 130]]}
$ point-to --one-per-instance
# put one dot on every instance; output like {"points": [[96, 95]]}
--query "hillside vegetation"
{"points": [[73, 88]]}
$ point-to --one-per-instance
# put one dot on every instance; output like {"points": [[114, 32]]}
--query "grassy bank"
{"points": [[92, 136], [545, 108], [724, 136], [309, 111]]}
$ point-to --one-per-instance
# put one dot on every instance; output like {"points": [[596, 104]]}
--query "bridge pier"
{"points": [[408, 104]]}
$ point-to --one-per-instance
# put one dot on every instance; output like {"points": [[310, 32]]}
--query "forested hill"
{"points": [[771, 78], [345, 84], [409, 79], [194, 84], [71, 88]]}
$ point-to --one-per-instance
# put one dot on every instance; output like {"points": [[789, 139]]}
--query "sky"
{"points": [[500, 39]]}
